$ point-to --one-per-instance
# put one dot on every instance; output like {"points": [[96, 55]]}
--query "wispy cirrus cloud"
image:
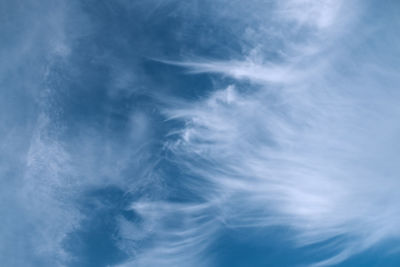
{"points": [[309, 146], [297, 129]]}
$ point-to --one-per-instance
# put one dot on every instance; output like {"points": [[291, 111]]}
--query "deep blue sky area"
{"points": [[199, 133]]}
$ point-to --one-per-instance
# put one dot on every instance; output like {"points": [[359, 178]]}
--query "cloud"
{"points": [[179, 234], [48, 160], [296, 128], [32, 161], [242, 70], [309, 147]]}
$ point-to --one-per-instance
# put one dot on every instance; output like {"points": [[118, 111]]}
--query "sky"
{"points": [[199, 133]]}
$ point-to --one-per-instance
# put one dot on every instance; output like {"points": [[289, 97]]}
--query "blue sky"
{"points": [[200, 133]]}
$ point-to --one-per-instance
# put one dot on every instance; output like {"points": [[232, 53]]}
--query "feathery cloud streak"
{"points": [[310, 146]]}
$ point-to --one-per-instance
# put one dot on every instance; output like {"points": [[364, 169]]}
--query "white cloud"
{"points": [[318, 14], [310, 144], [311, 149]]}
